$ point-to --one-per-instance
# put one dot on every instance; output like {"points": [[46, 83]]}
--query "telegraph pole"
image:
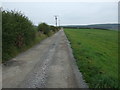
{"points": [[56, 17]]}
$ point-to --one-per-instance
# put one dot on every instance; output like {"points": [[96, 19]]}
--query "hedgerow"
{"points": [[54, 29], [46, 29], [17, 33]]}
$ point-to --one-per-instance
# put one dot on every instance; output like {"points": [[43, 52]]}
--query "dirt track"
{"points": [[50, 64]]}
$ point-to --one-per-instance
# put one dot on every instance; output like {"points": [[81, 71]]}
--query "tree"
{"points": [[44, 28]]}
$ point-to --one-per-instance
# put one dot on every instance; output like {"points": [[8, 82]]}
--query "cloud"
{"points": [[69, 13], [59, 0]]}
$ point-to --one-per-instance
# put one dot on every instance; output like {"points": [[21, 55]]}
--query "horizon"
{"points": [[92, 24]]}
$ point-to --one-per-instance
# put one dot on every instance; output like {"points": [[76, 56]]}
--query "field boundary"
{"points": [[78, 75]]}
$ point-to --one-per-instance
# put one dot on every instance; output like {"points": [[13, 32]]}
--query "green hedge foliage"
{"points": [[17, 32], [46, 29]]}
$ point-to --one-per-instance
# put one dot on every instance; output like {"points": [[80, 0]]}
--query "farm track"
{"points": [[49, 64]]}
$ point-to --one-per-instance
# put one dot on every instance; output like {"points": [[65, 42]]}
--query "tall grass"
{"points": [[96, 53]]}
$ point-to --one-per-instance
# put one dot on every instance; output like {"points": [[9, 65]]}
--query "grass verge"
{"points": [[96, 53], [15, 51]]}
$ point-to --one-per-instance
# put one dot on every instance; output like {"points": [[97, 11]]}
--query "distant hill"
{"points": [[96, 26]]}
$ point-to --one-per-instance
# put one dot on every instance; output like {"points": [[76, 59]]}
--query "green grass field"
{"points": [[96, 53]]}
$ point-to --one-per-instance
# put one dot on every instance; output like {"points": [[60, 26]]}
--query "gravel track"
{"points": [[49, 64]]}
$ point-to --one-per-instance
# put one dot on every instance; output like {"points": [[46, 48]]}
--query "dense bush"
{"points": [[44, 28], [54, 29], [17, 32]]}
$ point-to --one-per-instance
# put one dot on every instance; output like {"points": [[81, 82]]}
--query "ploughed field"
{"points": [[96, 54]]}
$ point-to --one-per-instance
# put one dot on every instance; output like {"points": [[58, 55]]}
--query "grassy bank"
{"points": [[96, 53]]}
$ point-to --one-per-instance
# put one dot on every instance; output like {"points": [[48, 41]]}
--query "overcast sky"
{"points": [[70, 13]]}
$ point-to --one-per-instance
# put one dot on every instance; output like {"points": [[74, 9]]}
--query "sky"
{"points": [[69, 13]]}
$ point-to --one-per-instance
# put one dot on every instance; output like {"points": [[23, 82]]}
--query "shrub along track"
{"points": [[50, 64]]}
